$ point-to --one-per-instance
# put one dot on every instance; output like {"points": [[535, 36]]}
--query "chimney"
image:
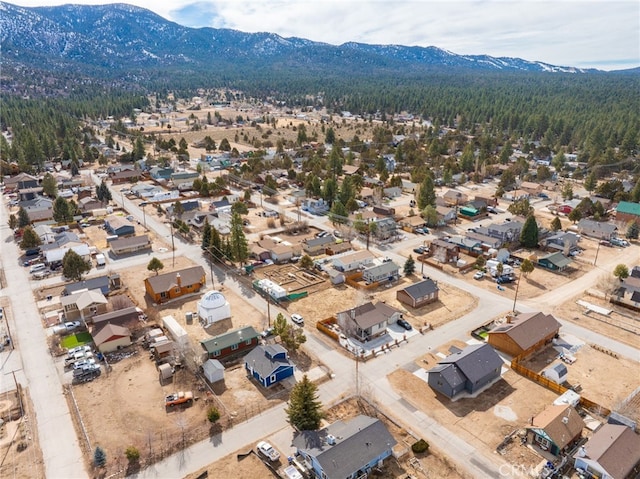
{"points": [[178, 280]]}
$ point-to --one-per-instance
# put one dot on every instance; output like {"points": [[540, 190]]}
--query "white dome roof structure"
{"points": [[213, 307]]}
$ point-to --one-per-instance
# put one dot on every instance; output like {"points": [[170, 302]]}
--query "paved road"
{"points": [[58, 440], [371, 374]]}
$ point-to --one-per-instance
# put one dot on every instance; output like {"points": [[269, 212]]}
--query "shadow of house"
{"points": [[345, 449], [269, 364], [467, 371]]}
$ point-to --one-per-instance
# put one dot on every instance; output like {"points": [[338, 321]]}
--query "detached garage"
{"points": [[111, 338], [213, 370]]}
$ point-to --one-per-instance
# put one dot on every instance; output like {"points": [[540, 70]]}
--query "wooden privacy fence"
{"points": [[555, 387], [324, 326], [354, 281]]}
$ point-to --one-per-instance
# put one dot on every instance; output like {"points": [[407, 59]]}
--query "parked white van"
{"points": [[37, 267]]}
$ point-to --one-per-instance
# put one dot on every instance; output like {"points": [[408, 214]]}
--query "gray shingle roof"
{"points": [[475, 361], [421, 289], [261, 359], [357, 442]]}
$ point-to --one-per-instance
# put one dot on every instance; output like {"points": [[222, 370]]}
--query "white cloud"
{"points": [[602, 34]]}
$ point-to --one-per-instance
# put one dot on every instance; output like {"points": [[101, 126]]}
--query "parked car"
{"points": [[504, 279], [403, 323], [420, 250], [268, 451], [267, 332], [492, 210], [478, 275], [71, 325], [297, 319], [619, 242]]}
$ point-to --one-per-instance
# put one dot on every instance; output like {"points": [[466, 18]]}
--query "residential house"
{"points": [[446, 215], [117, 225], [597, 229], [45, 233], [231, 344], [533, 189], [386, 228], [613, 452], [125, 176], [561, 241], [516, 195], [339, 248], [88, 204], [269, 364], [466, 244], [524, 333], [128, 316], [21, 180], [104, 283], [455, 198], [554, 261], [466, 371], [132, 244], [146, 190], [55, 256], [39, 203], [353, 260], [627, 212], [444, 251], [168, 286], [419, 294], [368, 320], [161, 174], [506, 232], [392, 192], [385, 271], [487, 200], [629, 290], [335, 276], [349, 170], [26, 194], [555, 429], [184, 180], [409, 186], [315, 207], [111, 337], [40, 216], [297, 197], [486, 241], [83, 304], [345, 449], [316, 246]]}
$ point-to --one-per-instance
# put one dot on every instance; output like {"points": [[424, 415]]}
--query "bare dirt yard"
{"points": [[452, 303], [592, 372], [433, 463], [484, 421], [20, 453]]}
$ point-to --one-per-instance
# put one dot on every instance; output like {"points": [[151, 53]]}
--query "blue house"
{"points": [[345, 449], [269, 364]]}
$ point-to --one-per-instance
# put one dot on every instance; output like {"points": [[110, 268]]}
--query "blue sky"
{"points": [[587, 34]]}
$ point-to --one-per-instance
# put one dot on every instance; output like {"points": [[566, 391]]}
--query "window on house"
{"points": [[272, 379], [542, 442], [234, 347], [216, 353], [177, 290], [248, 342], [163, 294]]}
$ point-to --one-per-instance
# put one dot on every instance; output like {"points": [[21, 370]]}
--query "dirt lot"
{"points": [[422, 466], [20, 452], [452, 303], [484, 421], [592, 371], [622, 324]]}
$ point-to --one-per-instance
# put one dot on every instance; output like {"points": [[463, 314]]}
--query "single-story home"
{"points": [[597, 229], [111, 337], [367, 320], [345, 449], [269, 364], [466, 371], [88, 203], [125, 176], [554, 261], [613, 452], [353, 260], [524, 334], [555, 429], [561, 241], [164, 287], [83, 304], [385, 271], [419, 294], [132, 244], [534, 189], [54, 256], [627, 211], [117, 225], [128, 316], [103, 283], [316, 246], [455, 198], [231, 344]]}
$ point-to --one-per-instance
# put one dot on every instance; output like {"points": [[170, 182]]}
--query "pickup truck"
{"points": [[175, 399]]}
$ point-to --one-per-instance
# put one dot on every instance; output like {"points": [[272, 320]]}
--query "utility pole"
{"points": [[144, 215], [597, 251], [173, 247], [516, 295]]}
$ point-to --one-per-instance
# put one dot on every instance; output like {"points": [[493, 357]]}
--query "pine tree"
{"points": [[529, 233], [238, 240], [49, 186], [23, 218], [556, 224], [426, 194], [409, 266], [99, 457], [13, 221], [155, 265], [633, 230], [590, 182], [30, 238], [526, 267], [61, 211], [206, 235], [305, 410], [73, 266]]}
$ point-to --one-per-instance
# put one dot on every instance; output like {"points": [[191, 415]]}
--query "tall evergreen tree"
{"points": [[556, 224], [30, 238], [61, 211], [238, 240], [73, 266], [426, 193], [206, 235], [529, 233], [305, 409], [23, 218], [49, 185]]}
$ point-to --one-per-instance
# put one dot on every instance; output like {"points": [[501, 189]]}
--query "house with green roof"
{"points": [[232, 344], [627, 212]]}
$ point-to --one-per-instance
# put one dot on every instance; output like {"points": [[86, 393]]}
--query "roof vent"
{"points": [[331, 439]]}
